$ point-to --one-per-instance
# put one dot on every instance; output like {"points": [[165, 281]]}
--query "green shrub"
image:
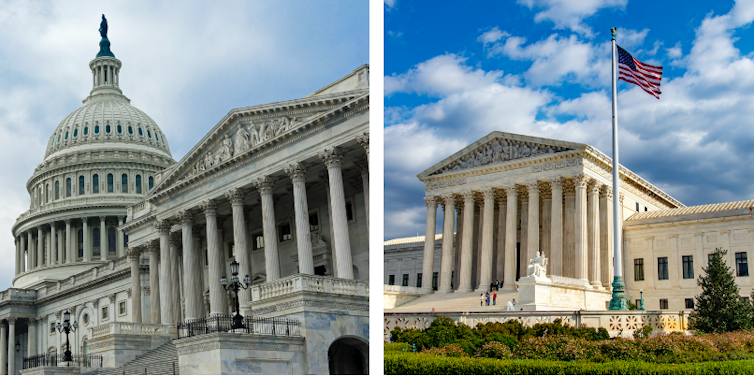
{"points": [[397, 347], [643, 332], [494, 350], [449, 350]]}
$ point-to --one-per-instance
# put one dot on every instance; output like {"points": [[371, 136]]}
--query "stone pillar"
{"points": [[297, 172], [476, 255], [532, 238], [464, 284], [12, 347], [556, 227], [546, 220], [459, 245], [326, 181], [3, 349], [333, 158], [511, 224], [50, 242], [524, 234], [500, 251], [187, 221], [220, 263], [31, 336], [197, 284], [580, 231], [266, 185], [18, 268], [243, 257], [363, 166], [22, 239], [119, 247], [154, 282], [363, 140], [488, 213], [175, 283], [68, 248], [133, 255], [593, 233], [216, 269], [61, 246], [40, 247], [606, 236], [87, 248], [446, 260], [429, 244], [102, 239], [569, 244]]}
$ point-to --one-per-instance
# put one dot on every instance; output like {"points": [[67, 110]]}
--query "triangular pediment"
{"points": [[498, 148]]}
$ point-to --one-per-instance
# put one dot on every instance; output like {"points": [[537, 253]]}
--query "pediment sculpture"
{"points": [[499, 150]]}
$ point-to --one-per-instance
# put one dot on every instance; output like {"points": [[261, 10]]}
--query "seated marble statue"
{"points": [[537, 266]]}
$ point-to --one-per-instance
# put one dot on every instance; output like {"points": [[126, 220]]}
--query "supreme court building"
{"points": [[506, 197]]}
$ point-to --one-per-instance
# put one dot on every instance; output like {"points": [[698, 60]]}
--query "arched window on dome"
{"points": [[86, 131], [130, 130], [149, 134], [57, 190], [140, 133], [95, 183], [151, 182], [107, 129], [124, 183], [81, 243], [96, 129], [120, 130], [59, 138], [68, 187], [66, 135], [138, 184], [95, 242], [156, 137], [81, 185], [110, 183], [75, 132], [111, 241]]}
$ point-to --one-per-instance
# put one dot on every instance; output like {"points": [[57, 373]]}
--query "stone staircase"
{"points": [[157, 362]]}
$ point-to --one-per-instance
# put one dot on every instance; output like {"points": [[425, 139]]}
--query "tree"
{"points": [[719, 308]]}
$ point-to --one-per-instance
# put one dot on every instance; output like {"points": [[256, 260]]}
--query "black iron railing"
{"points": [[56, 360], [224, 324]]}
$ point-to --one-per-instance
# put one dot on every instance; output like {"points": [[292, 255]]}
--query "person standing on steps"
{"points": [[481, 301], [494, 299]]}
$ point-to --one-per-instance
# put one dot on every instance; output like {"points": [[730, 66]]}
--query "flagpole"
{"points": [[618, 301]]}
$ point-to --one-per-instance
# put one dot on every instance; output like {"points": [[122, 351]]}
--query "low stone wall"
{"points": [[617, 323], [52, 370], [122, 342]]}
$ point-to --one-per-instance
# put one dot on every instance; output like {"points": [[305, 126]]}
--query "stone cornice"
{"points": [[654, 224]]}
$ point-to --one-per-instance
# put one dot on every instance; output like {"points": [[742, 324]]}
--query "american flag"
{"points": [[634, 71]]}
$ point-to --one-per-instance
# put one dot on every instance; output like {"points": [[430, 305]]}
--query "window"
{"points": [[95, 183], [52, 328], [637, 206], [86, 131], [284, 232], [95, 241], [138, 184], [313, 222], [111, 241], [68, 187], [130, 130], [57, 190], [258, 241], [124, 183], [66, 135], [122, 308], [107, 129], [86, 319], [663, 304], [418, 280], [688, 267], [81, 185], [151, 182], [639, 269], [75, 132], [149, 134], [709, 259], [96, 129], [140, 133], [81, 243], [434, 281], [662, 267], [690, 303], [391, 279], [156, 137], [105, 313], [206, 258], [58, 138], [742, 265], [109, 183], [125, 241], [349, 211], [119, 129], [405, 280]]}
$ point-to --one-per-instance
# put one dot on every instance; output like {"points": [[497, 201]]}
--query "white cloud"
{"points": [[441, 75], [492, 35], [569, 14], [674, 52]]}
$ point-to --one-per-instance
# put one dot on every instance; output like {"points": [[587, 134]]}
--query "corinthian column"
{"points": [[511, 224], [524, 234], [532, 237], [119, 247], [556, 228], [189, 261], [235, 196], [133, 255], [485, 270], [166, 302], [266, 185], [606, 235], [85, 232], [216, 291], [580, 223], [297, 172], [593, 233], [569, 237], [3, 348], [446, 260], [500, 251], [40, 247], [68, 248], [467, 244], [61, 246], [103, 248], [429, 244], [154, 282], [32, 254], [175, 283], [363, 166], [11, 349], [333, 158], [22, 265]]}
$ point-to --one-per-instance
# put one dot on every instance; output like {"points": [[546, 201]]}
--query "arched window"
{"points": [[75, 132], [149, 134], [57, 190], [107, 129], [111, 241], [95, 183], [120, 130], [96, 129], [81, 243], [86, 131], [68, 187], [124, 183], [138, 183], [58, 138], [140, 133], [130, 130], [66, 135], [95, 241], [81, 185], [151, 182], [156, 137]]}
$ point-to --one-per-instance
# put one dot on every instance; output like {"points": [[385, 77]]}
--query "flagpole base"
{"points": [[619, 302]]}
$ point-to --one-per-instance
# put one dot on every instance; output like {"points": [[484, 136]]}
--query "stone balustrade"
{"points": [[560, 280], [83, 201], [405, 289], [18, 294], [617, 323], [129, 328], [309, 283]]}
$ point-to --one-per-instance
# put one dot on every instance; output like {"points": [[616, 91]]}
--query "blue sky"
{"points": [[185, 63], [456, 71]]}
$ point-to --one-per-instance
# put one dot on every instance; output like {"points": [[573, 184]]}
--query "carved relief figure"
{"points": [[243, 140], [497, 151]]}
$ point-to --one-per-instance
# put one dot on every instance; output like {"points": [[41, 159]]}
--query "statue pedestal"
{"points": [[556, 293]]}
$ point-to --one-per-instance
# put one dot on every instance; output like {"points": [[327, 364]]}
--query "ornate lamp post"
{"points": [[67, 328], [236, 285], [641, 300]]}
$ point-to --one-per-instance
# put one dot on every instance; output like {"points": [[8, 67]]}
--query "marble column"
{"points": [[216, 269], [326, 181], [220, 263], [363, 165], [446, 260], [197, 284], [569, 215], [11, 348], [500, 251], [485, 266], [31, 336], [243, 256], [580, 231], [556, 227], [545, 220], [50, 237], [429, 244], [297, 172], [154, 282], [40, 247], [593, 233], [266, 185], [22, 265], [175, 283], [464, 284], [333, 157], [133, 255], [532, 235], [459, 245], [102, 239], [3, 349], [476, 263], [68, 248], [187, 221], [87, 248], [120, 247], [18, 268], [524, 234], [606, 236], [511, 224], [61, 245]]}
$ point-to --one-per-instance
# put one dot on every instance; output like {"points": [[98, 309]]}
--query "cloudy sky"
{"points": [[185, 63], [456, 71]]}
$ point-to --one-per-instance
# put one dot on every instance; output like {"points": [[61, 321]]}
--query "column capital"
{"points": [[488, 193], [362, 163], [235, 196], [297, 171], [32, 320], [85, 220], [162, 226], [185, 217], [449, 199], [332, 156], [102, 218], [67, 221], [468, 197], [133, 253], [128, 292], [431, 201], [556, 182], [11, 320], [621, 198], [111, 298], [545, 190], [569, 187], [509, 187], [209, 207], [606, 191], [265, 184], [594, 186], [95, 303], [154, 248], [363, 140], [580, 180], [532, 186]]}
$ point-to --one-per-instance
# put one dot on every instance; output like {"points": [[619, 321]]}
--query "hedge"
{"points": [[397, 363]]}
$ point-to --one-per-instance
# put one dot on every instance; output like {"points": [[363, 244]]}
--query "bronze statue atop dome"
{"points": [[103, 27]]}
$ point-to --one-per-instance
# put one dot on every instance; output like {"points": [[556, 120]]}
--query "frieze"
{"points": [[233, 345], [340, 306]]}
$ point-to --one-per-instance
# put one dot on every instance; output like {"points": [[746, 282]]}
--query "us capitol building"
{"points": [[152, 259]]}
